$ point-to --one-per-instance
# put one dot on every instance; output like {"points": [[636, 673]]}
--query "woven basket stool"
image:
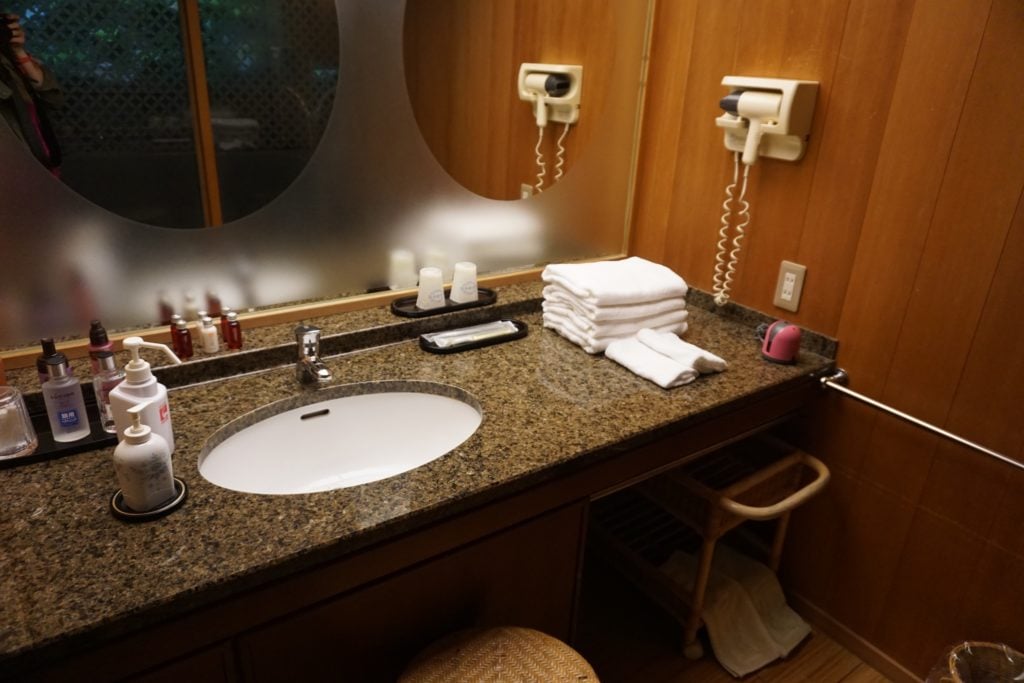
{"points": [[506, 654]]}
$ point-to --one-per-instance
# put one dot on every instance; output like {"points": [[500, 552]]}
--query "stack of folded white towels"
{"points": [[633, 310], [593, 304]]}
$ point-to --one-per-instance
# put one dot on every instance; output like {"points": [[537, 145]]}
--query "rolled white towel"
{"points": [[611, 328], [644, 361], [592, 344], [681, 352], [613, 283], [562, 296]]}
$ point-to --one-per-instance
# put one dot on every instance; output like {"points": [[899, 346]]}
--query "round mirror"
{"points": [[499, 129], [177, 114]]}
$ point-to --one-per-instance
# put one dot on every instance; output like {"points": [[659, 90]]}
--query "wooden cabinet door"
{"points": [[215, 665], [523, 576]]}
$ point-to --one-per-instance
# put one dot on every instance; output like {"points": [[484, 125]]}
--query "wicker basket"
{"points": [[979, 662], [506, 654]]}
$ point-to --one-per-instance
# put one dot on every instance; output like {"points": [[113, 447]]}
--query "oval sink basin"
{"points": [[339, 437]]}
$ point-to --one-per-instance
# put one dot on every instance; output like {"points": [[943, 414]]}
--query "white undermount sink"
{"points": [[352, 434]]}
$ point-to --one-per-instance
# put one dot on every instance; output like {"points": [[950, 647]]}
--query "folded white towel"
{"points": [[785, 626], [592, 344], [613, 283], [561, 295], [644, 361], [610, 328], [644, 355], [748, 622], [738, 636], [682, 352]]}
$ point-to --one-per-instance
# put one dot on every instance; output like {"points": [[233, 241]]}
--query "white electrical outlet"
{"points": [[790, 285]]}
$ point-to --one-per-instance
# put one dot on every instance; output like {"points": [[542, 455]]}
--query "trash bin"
{"points": [[979, 662]]}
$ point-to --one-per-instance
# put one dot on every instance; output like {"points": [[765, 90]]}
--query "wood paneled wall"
{"points": [[462, 59], [907, 211]]}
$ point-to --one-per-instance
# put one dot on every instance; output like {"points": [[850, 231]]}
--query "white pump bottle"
{"points": [[142, 462], [140, 388]]}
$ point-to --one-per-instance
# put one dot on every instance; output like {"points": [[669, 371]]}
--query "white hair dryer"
{"points": [[767, 117], [761, 111], [554, 90]]}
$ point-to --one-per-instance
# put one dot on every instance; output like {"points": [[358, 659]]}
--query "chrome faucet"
{"points": [[309, 367]]}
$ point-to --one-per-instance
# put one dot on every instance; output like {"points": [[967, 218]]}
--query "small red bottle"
{"points": [[182, 339], [98, 341], [233, 336], [174, 334], [224, 311]]}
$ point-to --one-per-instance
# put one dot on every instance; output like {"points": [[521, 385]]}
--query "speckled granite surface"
{"points": [[69, 568]]}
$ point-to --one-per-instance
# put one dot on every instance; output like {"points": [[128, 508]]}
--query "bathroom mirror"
{"points": [[185, 114], [371, 186], [462, 60]]}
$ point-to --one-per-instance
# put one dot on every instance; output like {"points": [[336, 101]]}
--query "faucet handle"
{"points": [[308, 339], [310, 368]]}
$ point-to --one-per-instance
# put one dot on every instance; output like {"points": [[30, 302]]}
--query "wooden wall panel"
{"points": [[462, 58], [858, 105], [695, 203], [908, 213], [667, 74], [939, 56]]}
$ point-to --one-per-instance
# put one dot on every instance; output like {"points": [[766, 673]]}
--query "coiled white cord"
{"points": [[724, 270], [538, 187], [561, 153]]}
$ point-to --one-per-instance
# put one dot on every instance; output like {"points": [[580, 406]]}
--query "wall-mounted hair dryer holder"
{"points": [[783, 131], [554, 89]]}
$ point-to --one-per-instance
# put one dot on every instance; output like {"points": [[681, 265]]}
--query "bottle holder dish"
{"points": [[126, 514]]}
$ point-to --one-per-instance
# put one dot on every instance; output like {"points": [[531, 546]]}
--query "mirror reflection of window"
{"points": [[187, 114], [271, 68]]}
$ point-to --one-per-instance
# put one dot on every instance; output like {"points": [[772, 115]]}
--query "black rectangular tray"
{"points": [[49, 449], [406, 306], [521, 331]]}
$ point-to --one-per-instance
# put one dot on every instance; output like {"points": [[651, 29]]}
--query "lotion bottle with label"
{"points": [[143, 464], [141, 388]]}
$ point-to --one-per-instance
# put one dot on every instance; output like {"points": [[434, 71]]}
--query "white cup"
{"points": [[464, 283], [17, 436], [402, 269], [431, 291]]}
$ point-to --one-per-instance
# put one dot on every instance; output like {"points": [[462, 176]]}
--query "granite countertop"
{"points": [[69, 568]]}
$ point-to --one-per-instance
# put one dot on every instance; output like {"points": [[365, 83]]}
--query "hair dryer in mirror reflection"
{"points": [[28, 90], [764, 117], [554, 90]]}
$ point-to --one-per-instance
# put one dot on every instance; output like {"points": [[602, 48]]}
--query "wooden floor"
{"points": [[627, 639]]}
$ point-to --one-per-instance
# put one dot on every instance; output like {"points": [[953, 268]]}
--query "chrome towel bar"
{"points": [[838, 379]]}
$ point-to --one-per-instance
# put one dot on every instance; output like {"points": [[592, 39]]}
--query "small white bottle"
{"points": [[141, 388], [142, 462], [65, 406], [208, 335]]}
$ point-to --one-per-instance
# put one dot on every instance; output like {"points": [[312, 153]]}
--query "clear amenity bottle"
{"points": [[65, 406]]}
